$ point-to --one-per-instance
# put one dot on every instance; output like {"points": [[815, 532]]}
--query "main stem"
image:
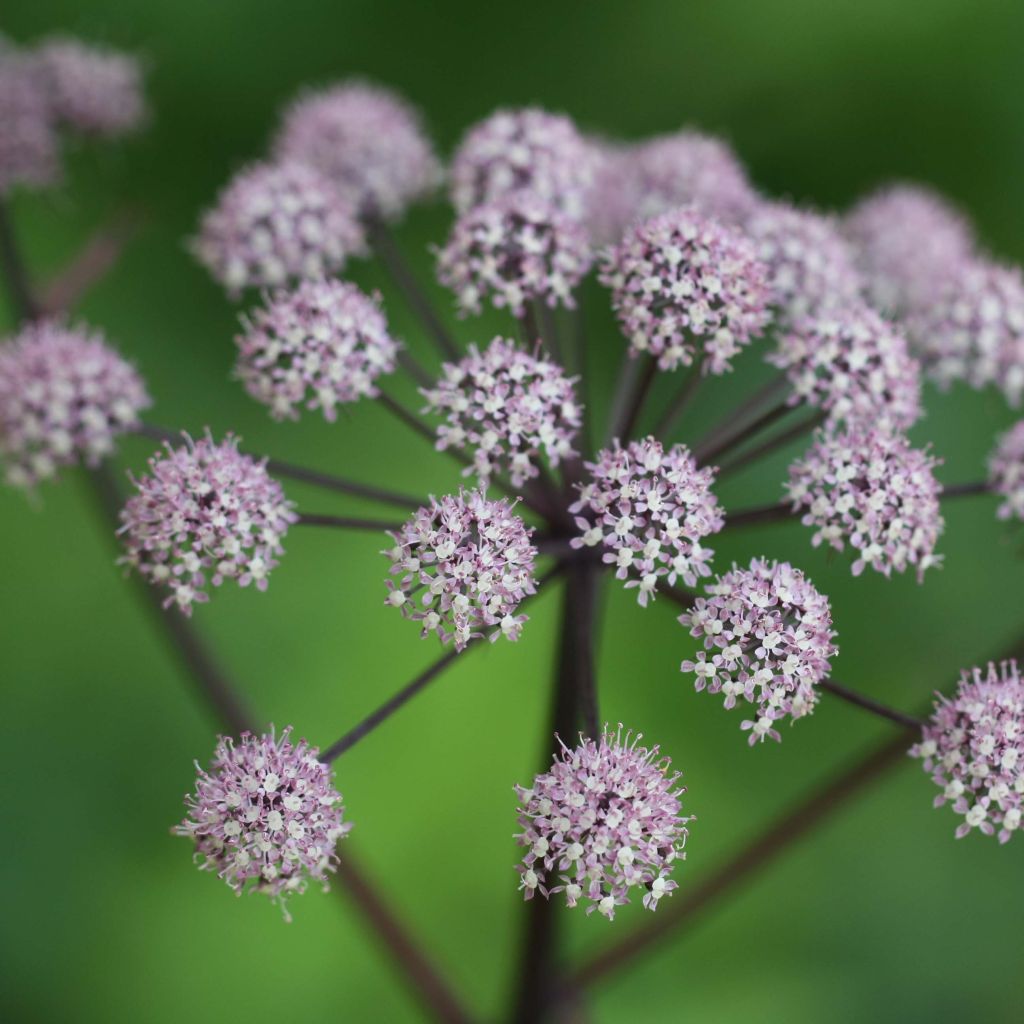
{"points": [[18, 285]]}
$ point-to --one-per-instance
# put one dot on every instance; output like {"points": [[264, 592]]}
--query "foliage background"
{"points": [[880, 917]]}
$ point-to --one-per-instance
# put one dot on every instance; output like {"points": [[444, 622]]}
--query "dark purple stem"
{"points": [[966, 490], [347, 523], [15, 272], [771, 444], [707, 451], [755, 516], [634, 407], [680, 403], [860, 700]]}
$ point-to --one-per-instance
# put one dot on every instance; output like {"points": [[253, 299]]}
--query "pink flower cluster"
{"points": [[973, 746], [29, 145], [680, 281], [321, 345], [275, 222], [650, 509], [869, 488], [367, 141], [1006, 472], [606, 819], [266, 815], [514, 250], [203, 514], [462, 565], [507, 406], [854, 365], [64, 396], [771, 635]]}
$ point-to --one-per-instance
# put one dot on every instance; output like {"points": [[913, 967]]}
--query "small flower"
{"points": [[29, 145], [508, 407], [1006, 472], [771, 635], [93, 90], [909, 244], [266, 816], [604, 820], [65, 396], [810, 265], [650, 509], [973, 746], [524, 149], [367, 141], [205, 513], [514, 250], [462, 566], [323, 344], [274, 222], [680, 281], [871, 489], [974, 331], [854, 365]]}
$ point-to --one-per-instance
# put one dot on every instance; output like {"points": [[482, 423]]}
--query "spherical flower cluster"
{"points": [[204, 513], [29, 146], [854, 365], [64, 396], [771, 634], [679, 281], [524, 149], [973, 746], [323, 344], [462, 565], [274, 222], [650, 509], [909, 243], [1006, 472], [367, 141], [871, 489], [266, 816], [514, 250], [93, 90], [604, 820], [509, 407], [810, 264], [975, 330]]}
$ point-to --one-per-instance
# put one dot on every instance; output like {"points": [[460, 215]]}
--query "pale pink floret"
{"points": [[507, 408], [461, 566], [266, 816], [321, 345], [768, 635], [649, 509], [973, 747], [205, 513], [1006, 472], [605, 820], [687, 288], [65, 397]]}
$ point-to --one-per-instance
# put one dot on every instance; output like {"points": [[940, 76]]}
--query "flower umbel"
{"points": [[203, 514], [266, 816], [606, 819], [973, 746], [29, 146], [770, 634], [462, 565], [1006, 472], [650, 509]]}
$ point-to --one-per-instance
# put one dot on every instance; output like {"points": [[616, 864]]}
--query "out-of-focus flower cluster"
{"points": [[769, 634], [606, 819], [1006, 472]]}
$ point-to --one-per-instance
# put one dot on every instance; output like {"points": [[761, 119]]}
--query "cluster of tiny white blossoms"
{"points": [[1006, 472], [973, 746], [508, 407], [854, 365], [680, 281], [65, 396], [277, 222], [514, 250], [203, 514], [323, 344], [604, 820], [771, 634], [871, 489], [651, 509], [810, 265], [266, 815], [461, 566]]}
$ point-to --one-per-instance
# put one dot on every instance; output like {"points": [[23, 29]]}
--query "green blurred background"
{"points": [[881, 916]]}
